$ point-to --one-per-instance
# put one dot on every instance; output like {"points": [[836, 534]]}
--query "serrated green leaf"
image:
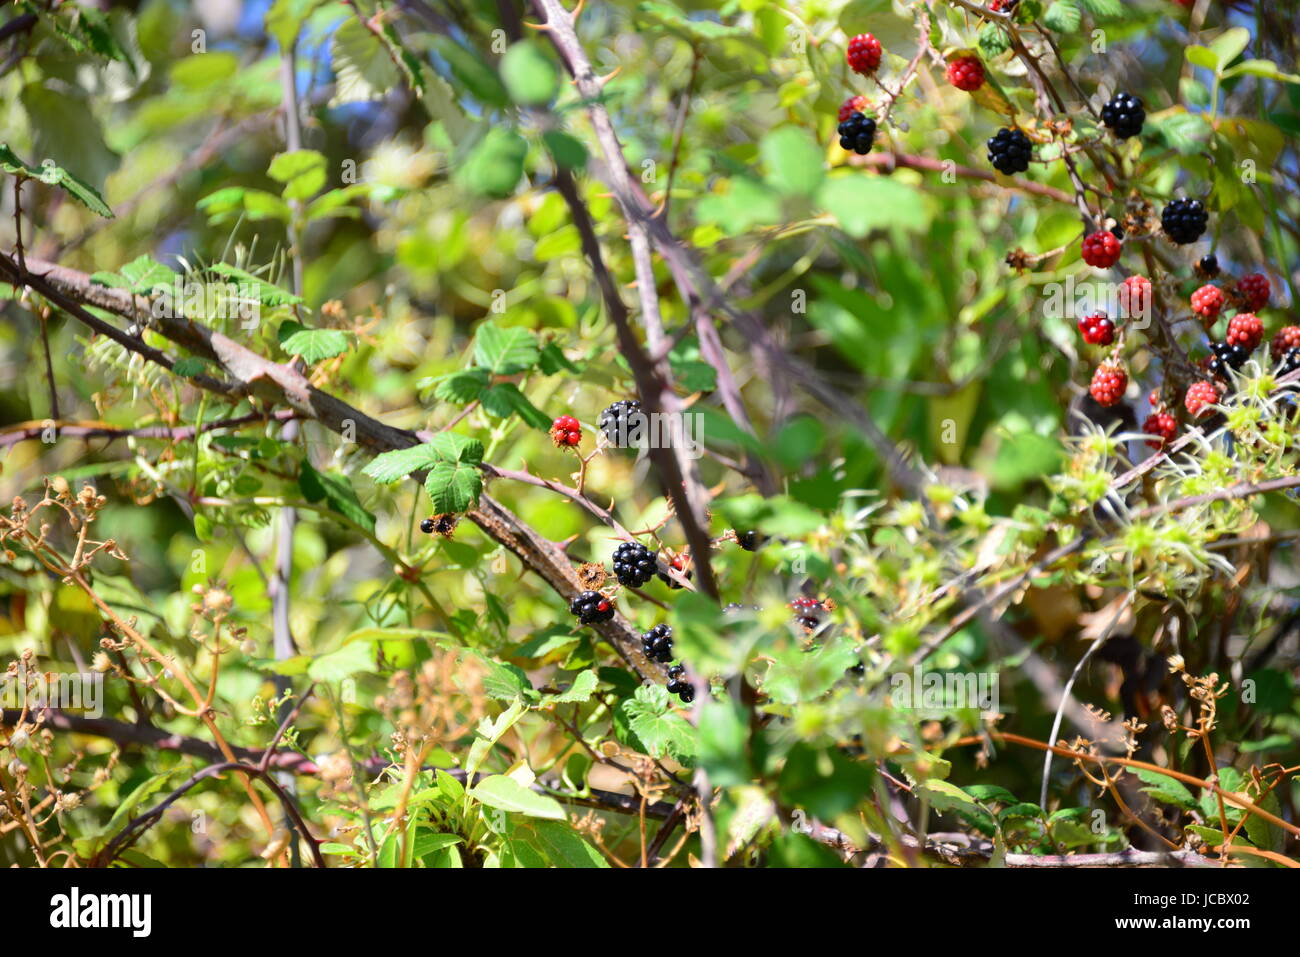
{"points": [[504, 351], [453, 486], [583, 687], [363, 67], [1165, 789], [461, 387], [656, 729], [1063, 16], [389, 467], [312, 344], [504, 399]]}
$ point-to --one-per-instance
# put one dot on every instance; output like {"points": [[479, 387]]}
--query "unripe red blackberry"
{"points": [[1097, 330], [966, 73], [1163, 426], [863, 54], [1108, 384], [679, 564], [1245, 329], [1135, 297], [1101, 249], [854, 104], [1207, 301], [566, 432], [1287, 338], [1252, 291], [1200, 396]]}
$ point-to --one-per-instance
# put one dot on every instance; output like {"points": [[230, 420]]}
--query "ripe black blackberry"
{"points": [[619, 422], [857, 133], [676, 671], [1290, 363], [1009, 151], [1226, 357], [749, 541], [634, 564], [1208, 266], [684, 690], [1184, 220], [657, 643], [1123, 115], [426, 526], [591, 607]]}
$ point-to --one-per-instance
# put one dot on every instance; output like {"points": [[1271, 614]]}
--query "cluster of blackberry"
{"points": [[857, 133], [634, 564]]}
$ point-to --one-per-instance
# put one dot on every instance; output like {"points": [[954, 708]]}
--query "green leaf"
{"points": [[302, 172], [475, 76], [505, 399], [564, 847], [1198, 55], [1228, 45], [312, 344], [494, 167], [506, 682], [504, 351], [363, 65], [453, 486], [265, 293], [866, 203], [348, 660], [461, 387], [188, 367], [553, 361], [1165, 789], [1105, 9], [1063, 16], [568, 151], [530, 77], [507, 794], [946, 796], [583, 687], [993, 40], [654, 728], [389, 467], [53, 175], [336, 491], [285, 19], [203, 70], [794, 163]]}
